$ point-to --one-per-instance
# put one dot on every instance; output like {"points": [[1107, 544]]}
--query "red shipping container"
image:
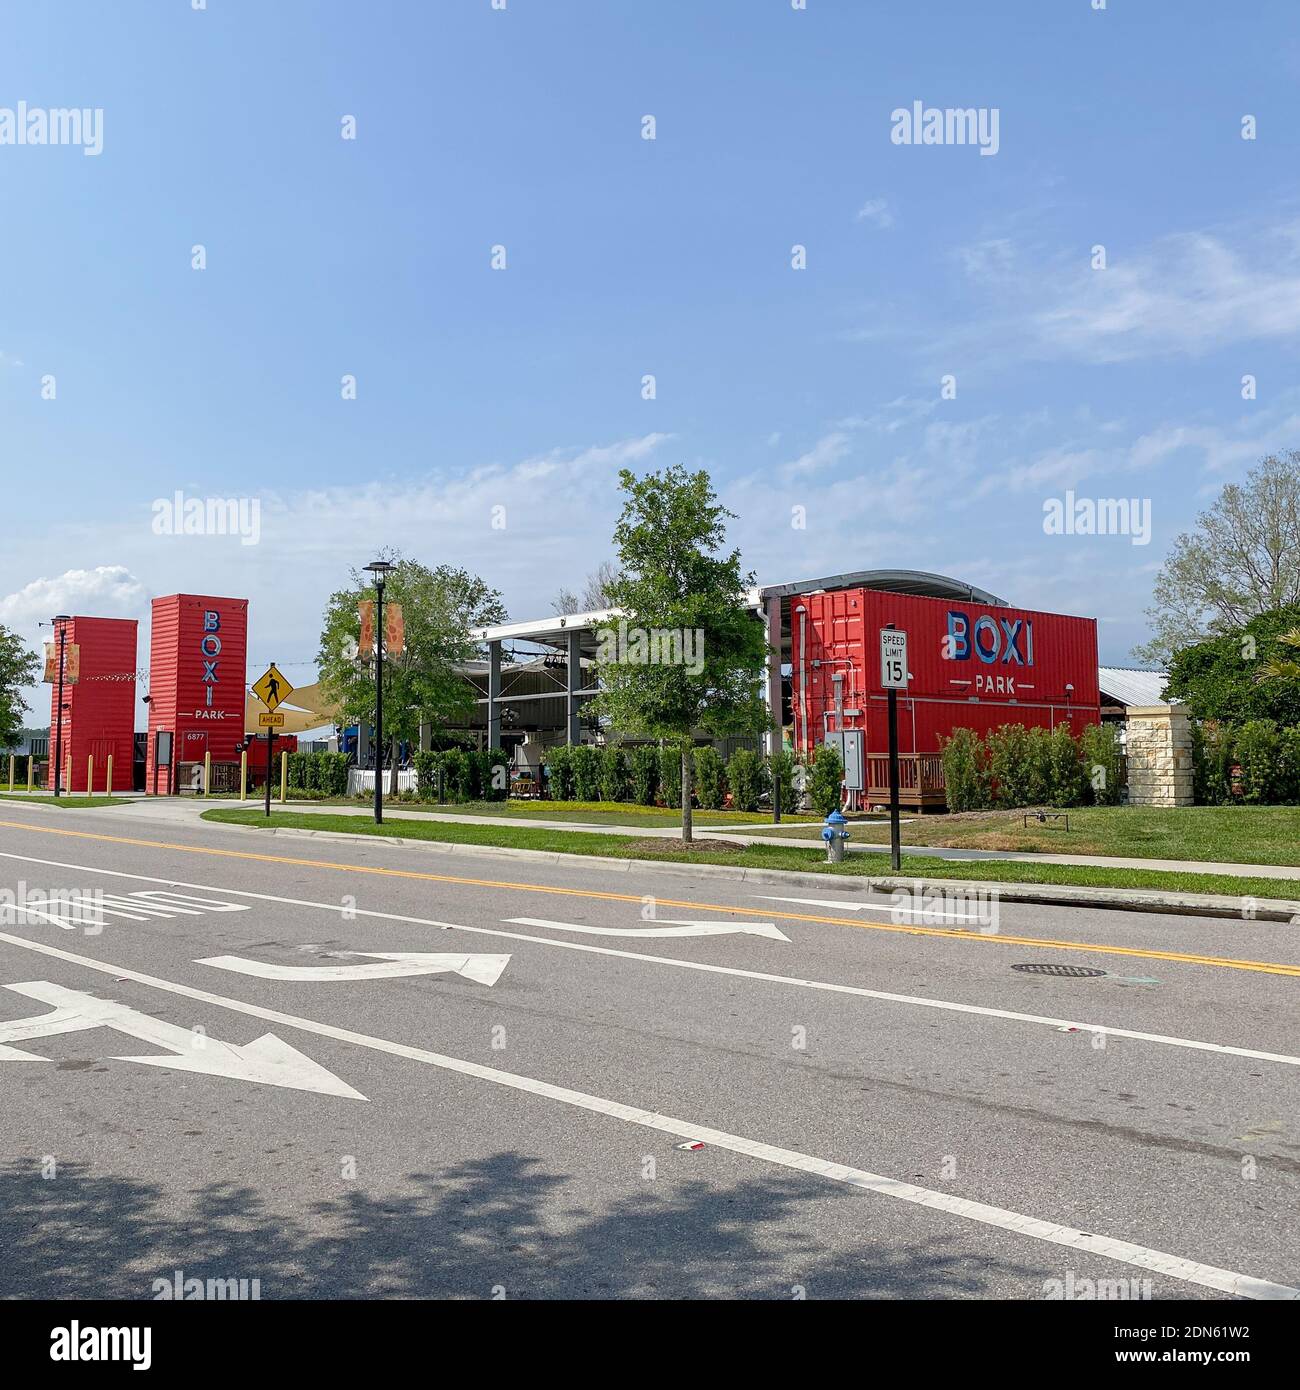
{"points": [[100, 716], [198, 655], [970, 666]]}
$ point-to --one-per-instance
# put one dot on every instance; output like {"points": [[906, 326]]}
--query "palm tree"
{"points": [[1278, 669]]}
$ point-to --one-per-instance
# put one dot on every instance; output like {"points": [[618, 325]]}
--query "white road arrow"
{"points": [[663, 927], [266, 1061], [386, 965]]}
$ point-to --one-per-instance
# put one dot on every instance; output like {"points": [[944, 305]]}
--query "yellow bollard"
{"points": [[90, 775], [284, 775], [11, 772], [243, 775], [207, 773], [108, 786], [67, 774], [31, 769]]}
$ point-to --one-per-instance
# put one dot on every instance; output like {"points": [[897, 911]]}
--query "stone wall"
{"points": [[1159, 755]]}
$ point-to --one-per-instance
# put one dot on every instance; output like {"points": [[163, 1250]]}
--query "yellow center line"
{"points": [[1046, 943]]}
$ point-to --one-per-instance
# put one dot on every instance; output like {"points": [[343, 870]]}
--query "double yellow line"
{"points": [[1042, 943]]}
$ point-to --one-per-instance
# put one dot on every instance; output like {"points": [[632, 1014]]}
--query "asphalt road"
{"points": [[888, 1108]]}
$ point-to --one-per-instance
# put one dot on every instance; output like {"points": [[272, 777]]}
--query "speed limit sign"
{"points": [[893, 659]]}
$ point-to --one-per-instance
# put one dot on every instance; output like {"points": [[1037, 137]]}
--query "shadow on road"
{"points": [[501, 1223]]}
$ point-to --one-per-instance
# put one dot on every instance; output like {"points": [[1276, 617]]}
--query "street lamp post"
{"points": [[62, 620], [380, 569]]}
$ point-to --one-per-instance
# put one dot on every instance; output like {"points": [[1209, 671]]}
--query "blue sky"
{"points": [[476, 388]]}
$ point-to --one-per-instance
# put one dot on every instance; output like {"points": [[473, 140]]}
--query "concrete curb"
{"points": [[1046, 894]]}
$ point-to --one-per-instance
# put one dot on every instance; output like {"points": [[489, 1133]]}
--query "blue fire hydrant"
{"points": [[835, 835]]}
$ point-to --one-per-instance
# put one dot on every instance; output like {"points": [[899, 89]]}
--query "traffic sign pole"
{"points": [[894, 677], [270, 738], [895, 847]]}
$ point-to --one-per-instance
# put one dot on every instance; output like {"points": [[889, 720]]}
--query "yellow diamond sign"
{"points": [[271, 687]]}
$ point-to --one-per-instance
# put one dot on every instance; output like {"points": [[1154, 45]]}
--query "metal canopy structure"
{"points": [[575, 636]]}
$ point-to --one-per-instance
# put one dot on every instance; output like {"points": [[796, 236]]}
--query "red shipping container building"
{"points": [[99, 718], [971, 665], [198, 653]]}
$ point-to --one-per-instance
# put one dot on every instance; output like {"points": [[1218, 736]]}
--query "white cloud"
{"points": [[1183, 295], [108, 591], [876, 211]]}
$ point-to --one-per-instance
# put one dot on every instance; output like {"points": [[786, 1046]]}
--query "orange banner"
{"points": [[394, 630], [72, 663], [51, 662], [366, 646]]}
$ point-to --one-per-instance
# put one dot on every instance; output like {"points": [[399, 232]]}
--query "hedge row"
{"points": [[325, 773], [467, 774], [1256, 762], [1019, 766], [649, 776]]}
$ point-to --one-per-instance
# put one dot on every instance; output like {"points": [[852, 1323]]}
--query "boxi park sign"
{"points": [[210, 650], [992, 642]]}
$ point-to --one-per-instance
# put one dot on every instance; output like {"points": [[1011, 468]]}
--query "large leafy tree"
{"points": [[423, 684], [19, 667], [593, 596], [676, 577], [1227, 678], [1243, 559]]}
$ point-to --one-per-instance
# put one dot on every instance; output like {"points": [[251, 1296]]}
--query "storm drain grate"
{"points": [[1068, 972]]}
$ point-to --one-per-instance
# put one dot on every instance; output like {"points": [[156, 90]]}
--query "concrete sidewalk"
{"points": [[188, 810]]}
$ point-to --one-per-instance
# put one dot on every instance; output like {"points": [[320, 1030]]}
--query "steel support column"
{"points": [[494, 695], [772, 685], [573, 684]]}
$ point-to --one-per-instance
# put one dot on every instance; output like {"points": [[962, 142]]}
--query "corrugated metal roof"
{"points": [[1123, 685]]}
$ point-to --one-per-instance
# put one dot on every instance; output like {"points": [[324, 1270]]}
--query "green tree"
{"points": [[1065, 776], [1232, 678], [645, 774], [424, 684], [710, 778], [676, 579], [19, 667], [1241, 560], [748, 778], [826, 782], [966, 775], [1101, 762]]}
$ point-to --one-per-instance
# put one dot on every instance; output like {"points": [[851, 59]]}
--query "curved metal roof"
{"points": [[918, 582]]}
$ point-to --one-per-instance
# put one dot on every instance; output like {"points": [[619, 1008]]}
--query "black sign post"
{"points": [[270, 740], [895, 846]]}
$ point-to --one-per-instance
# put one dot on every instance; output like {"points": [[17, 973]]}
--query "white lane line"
{"points": [[663, 926], [949, 1006], [936, 914], [1159, 1262]]}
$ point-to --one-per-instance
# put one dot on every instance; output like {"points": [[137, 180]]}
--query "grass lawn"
{"points": [[69, 803], [759, 856], [573, 812], [1229, 834]]}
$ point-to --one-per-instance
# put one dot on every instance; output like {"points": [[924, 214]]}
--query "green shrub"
{"points": [[1038, 770], [493, 774], [710, 778], [1102, 765], [615, 775], [826, 779], [780, 778], [1065, 780], [586, 772], [966, 772], [1290, 765], [332, 773], [559, 769], [747, 775], [1011, 761], [1259, 754], [670, 774], [428, 764], [645, 774], [458, 774]]}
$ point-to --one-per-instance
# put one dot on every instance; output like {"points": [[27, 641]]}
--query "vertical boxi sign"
{"points": [[100, 716], [198, 656]]}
